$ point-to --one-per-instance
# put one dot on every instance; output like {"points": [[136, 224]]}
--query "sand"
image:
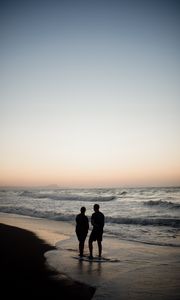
{"points": [[137, 271], [24, 270]]}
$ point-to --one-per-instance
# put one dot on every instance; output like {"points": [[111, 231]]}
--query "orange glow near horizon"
{"points": [[104, 177], [89, 163]]}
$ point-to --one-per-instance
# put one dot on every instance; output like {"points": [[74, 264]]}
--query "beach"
{"points": [[24, 270], [89, 109], [134, 270]]}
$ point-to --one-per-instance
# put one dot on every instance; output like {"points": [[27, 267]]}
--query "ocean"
{"points": [[142, 215]]}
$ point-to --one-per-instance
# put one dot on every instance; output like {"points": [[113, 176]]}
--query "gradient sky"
{"points": [[89, 93]]}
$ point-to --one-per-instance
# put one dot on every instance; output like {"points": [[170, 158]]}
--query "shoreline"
{"points": [[142, 271], [25, 272], [49, 230]]}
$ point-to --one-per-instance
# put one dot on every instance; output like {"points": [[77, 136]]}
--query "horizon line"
{"points": [[88, 187]]}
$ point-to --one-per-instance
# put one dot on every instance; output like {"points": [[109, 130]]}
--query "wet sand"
{"points": [[25, 273], [139, 271], [135, 271]]}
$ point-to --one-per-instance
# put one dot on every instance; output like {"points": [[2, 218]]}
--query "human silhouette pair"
{"points": [[82, 227]]}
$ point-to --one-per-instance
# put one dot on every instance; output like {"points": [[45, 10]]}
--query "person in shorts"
{"points": [[97, 221]]}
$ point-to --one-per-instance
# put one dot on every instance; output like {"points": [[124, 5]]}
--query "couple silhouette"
{"points": [[82, 227]]}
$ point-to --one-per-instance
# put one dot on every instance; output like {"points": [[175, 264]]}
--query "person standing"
{"points": [[82, 227], [97, 221]]}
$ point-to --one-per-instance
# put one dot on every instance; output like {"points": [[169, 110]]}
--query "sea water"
{"points": [[143, 215]]}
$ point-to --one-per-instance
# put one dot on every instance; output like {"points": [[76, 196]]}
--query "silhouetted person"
{"points": [[97, 221], [82, 227]]}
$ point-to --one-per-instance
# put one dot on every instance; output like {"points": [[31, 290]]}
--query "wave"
{"points": [[162, 203], [49, 214], [122, 193], [172, 190], [37, 213], [67, 197], [173, 222]]}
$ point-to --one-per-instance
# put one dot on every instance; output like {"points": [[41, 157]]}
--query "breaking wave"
{"points": [[67, 197], [38, 213], [173, 222], [49, 214], [162, 203]]}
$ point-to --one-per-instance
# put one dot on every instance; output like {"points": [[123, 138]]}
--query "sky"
{"points": [[89, 93]]}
